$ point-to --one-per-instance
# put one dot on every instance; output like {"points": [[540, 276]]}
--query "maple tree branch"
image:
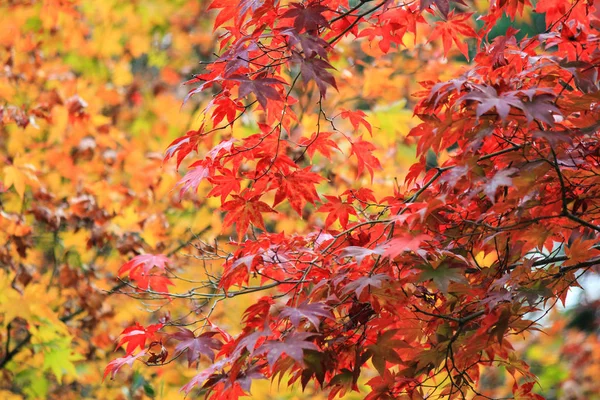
{"points": [[11, 354], [349, 12], [441, 170], [563, 195], [359, 17], [583, 264], [500, 152], [430, 182], [460, 321], [442, 316], [583, 222]]}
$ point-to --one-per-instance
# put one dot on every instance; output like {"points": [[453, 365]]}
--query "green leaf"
{"points": [[59, 359], [441, 276]]}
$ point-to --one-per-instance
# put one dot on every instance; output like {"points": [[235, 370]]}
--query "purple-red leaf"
{"points": [[293, 345], [195, 346], [311, 311]]}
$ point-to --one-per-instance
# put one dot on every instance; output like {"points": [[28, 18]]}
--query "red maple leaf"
{"points": [[145, 262], [360, 284], [364, 155], [224, 184], [184, 145], [320, 142], [203, 375], [337, 209], [229, 11], [136, 336], [225, 107], [115, 365], [192, 178], [245, 210], [501, 178], [359, 253], [455, 28], [298, 188], [157, 283], [488, 98], [357, 118]]}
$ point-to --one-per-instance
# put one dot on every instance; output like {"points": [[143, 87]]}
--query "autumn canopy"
{"points": [[391, 193]]}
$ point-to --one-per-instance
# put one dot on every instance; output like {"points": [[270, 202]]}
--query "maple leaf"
{"points": [[320, 142], [542, 108], [359, 253], [315, 68], [225, 108], [501, 178], [249, 5], [145, 262], [298, 188], [399, 245], [184, 145], [499, 45], [360, 284], [384, 350], [311, 45], [18, 178], [337, 210], [501, 325], [293, 345], [580, 250], [441, 276], [225, 146], [453, 29], [310, 311], [203, 376], [488, 98], [263, 88], [136, 336], [224, 184], [228, 12], [193, 178], [115, 365], [357, 118], [195, 346], [308, 17], [363, 152], [250, 340], [156, 283], [245, 210]]}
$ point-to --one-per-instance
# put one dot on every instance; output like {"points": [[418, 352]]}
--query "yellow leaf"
{"points": [[6, 395], [121, 74], [14, 177], [485, 260]]}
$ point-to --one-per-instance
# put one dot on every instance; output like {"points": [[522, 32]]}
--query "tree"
{"points": [[426, 281]]}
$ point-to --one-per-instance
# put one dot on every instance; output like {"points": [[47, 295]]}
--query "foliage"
{"points": [[426, 281]]}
